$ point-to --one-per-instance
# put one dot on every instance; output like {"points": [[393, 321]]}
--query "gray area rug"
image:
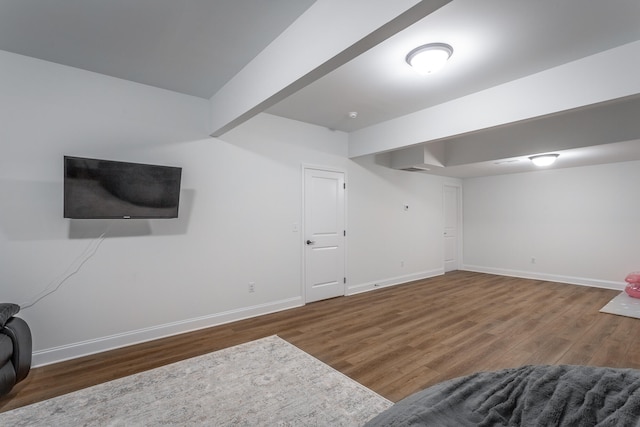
{"points": [[267, 382]]}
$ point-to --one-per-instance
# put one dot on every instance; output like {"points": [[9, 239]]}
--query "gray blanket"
{"points": [[527, 396]]}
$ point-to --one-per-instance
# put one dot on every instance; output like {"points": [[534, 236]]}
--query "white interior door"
{"points": [[451, 225], [324, 234]]}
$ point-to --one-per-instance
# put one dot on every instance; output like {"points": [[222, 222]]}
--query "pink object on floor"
{"points": [[633, 277], [633, 287], [633, 290]]}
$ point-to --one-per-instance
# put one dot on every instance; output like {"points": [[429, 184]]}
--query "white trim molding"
{"points": [[393, 281], [85, 348], [582, 281]]}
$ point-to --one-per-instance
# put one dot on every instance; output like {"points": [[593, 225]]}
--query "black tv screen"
{"points": [[108, 189]]}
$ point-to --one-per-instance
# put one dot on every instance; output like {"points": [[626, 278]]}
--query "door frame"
{"points": [[459, 215], [303, 273]]}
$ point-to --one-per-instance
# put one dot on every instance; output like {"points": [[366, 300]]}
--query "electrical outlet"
{"points": [[401, 263], [252, 287], [533, 260]]}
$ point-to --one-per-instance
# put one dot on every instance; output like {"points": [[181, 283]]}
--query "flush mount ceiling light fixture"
{"points": [[544, 159], [429, 58]]}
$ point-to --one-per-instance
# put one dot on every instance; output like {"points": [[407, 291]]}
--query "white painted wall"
{"points": [[240, 197], [580, 224], [388, 244]]}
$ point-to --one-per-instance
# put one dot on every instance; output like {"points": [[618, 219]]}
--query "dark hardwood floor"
{"points": [[396, 340]]}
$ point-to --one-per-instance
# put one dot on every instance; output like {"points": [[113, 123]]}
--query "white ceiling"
{"points": [[494, 41], [188, 46], [197, 47]]}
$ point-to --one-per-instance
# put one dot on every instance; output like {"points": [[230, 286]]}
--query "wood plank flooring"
{"points": [[396, 340]]}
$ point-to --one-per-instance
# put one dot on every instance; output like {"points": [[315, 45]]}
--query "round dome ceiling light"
{"points": [[429, 58], [544, 159]]}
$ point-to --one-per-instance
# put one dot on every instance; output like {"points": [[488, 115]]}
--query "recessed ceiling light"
{"points": [[429, 58], [544, 159]]}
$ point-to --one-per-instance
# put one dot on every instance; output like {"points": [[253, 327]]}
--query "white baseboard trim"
{"points": [[85, 348], [378, 284], [583, 281]]}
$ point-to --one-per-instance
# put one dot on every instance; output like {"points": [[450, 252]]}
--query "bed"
{"points": [[564, 395]]}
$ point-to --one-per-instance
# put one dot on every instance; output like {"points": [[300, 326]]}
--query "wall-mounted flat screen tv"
{"points": [[105, 189]]}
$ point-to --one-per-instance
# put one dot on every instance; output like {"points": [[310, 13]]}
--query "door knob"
{"points": [[310, 242]]}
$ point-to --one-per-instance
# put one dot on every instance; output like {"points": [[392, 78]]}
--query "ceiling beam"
{"points": [[599, 78], [329, 34], [605, 123]]}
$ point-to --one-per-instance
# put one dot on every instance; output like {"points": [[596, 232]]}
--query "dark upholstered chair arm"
{"points": [[19, 332], [7, 373], [7, 310]]}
